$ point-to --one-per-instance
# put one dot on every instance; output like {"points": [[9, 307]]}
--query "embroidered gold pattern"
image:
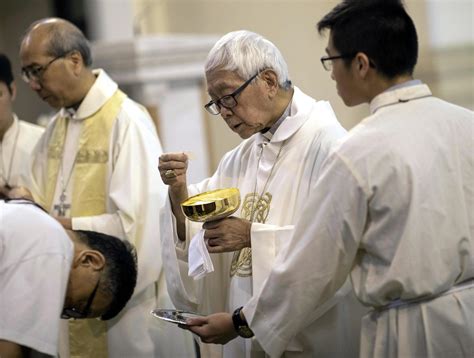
{"points": [[255, 208], [84, 155]]}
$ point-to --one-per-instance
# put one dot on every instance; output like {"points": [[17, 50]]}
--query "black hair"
{"points": [[6, 74], [381, 29], [64, 39], [120, 274]]}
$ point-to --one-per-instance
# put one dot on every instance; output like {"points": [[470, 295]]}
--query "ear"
{"points": [[89, 258], [270, 79], [77, 61], [362, 64], [13, 90]]}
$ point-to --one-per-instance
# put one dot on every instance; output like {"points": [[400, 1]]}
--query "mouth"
{"points": [[236, 127]]}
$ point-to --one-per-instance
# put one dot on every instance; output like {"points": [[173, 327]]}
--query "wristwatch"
{"points": [[240, 325]]}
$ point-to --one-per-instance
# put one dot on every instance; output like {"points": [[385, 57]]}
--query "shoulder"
{"points": [[239, 154], [136, 115], [31, 129], [43, 234]]}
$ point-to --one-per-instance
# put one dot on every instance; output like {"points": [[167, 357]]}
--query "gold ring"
{"points": [[170, 174]]}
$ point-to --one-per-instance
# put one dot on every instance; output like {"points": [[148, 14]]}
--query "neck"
{"points": [[382, 84], [282, 100], [7, 124], [87, 81]]}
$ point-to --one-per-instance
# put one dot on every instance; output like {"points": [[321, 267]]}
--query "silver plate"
{"points": [[174, 316]]}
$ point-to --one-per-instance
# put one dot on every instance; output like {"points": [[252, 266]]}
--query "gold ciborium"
{"points": [[211, 205]]}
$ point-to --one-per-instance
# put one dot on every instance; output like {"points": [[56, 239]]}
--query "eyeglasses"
{"points": [[227, 101], [326, 61], [75, 313], [35, 73]]}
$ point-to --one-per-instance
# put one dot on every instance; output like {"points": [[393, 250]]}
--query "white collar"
{"points": [[400, 95], [301, 106], [11, 131], [100, 92]]}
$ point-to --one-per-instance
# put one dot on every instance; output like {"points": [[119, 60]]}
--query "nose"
{"points": [[34, 85], [332, 76], [226, 113]]}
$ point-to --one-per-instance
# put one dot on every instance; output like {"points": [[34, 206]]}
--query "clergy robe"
{"points": [[274, 178], [15, 150], [395, 208], [133, 198]]}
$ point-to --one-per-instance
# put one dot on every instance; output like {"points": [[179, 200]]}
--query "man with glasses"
{"points": [[394, 206], [48, 273], [17, 137], [287, 136], [93, 170]]}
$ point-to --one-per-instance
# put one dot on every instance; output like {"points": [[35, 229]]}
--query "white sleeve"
{"points": [[36, 288], [316, 261]]}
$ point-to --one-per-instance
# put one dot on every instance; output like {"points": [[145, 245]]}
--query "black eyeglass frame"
{"points": [[35, 73], [324, 59], [218, 103], [68, 313]]}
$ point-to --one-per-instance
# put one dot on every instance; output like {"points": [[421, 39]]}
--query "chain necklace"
{"points": [[7, 174], [242, 260], [259, 197], [62, 206]]}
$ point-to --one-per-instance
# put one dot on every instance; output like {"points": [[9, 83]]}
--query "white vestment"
{"points": [[394, 206], [135, 194], [15, 151], [35, 260], [274, 178]]}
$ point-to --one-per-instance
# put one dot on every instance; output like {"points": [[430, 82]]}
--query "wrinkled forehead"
{"points": [[219, 81]]}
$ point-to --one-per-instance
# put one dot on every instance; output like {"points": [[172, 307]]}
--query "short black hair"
{"points": [[120, 274], [6, 74], [381, 29]]}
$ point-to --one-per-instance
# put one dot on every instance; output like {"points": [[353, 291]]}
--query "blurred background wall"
{"points": [[445, 30]]}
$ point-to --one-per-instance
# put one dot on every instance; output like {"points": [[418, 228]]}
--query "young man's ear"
{"points": [[90, 258], [12, 87], [362, 64]]}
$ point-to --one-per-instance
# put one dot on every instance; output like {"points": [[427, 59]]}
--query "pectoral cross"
{"points": [[62, 206]]}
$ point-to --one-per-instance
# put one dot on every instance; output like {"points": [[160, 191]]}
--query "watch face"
{"points": [[245, 332]]}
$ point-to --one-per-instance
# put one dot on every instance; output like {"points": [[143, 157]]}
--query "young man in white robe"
{"points": [[17, 137], [48, 273], [93, 170], [394, 207], [287, 136]]}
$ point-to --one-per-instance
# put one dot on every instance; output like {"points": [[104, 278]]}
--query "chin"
{"points": [[350, 102]]}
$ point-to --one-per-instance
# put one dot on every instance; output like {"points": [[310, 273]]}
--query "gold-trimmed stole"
{"points": [[87, 337]]}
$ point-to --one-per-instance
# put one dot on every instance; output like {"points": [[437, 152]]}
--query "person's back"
{"points": [[429, 186], [32, 244]]}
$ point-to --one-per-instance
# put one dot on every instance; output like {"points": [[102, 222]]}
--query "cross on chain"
{"points": [[62, 206]]}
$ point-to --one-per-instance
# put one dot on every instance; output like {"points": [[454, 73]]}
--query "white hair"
{"points": [[246, 53]]}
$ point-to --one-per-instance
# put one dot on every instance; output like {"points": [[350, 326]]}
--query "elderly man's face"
{"points": [[253, 110], [53, 81]]}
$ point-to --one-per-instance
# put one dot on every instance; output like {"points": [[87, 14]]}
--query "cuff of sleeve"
{"points": [[271, 343], [81, 223]]}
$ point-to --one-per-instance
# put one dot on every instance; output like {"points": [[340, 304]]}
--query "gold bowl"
{"points": [[211, 205]]}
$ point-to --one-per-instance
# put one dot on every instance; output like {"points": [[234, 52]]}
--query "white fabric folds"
{"points": [[199, 260]]}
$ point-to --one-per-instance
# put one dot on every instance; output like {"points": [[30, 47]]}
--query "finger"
{"points": [[173, 156], [216, 249], [196, 321]]}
